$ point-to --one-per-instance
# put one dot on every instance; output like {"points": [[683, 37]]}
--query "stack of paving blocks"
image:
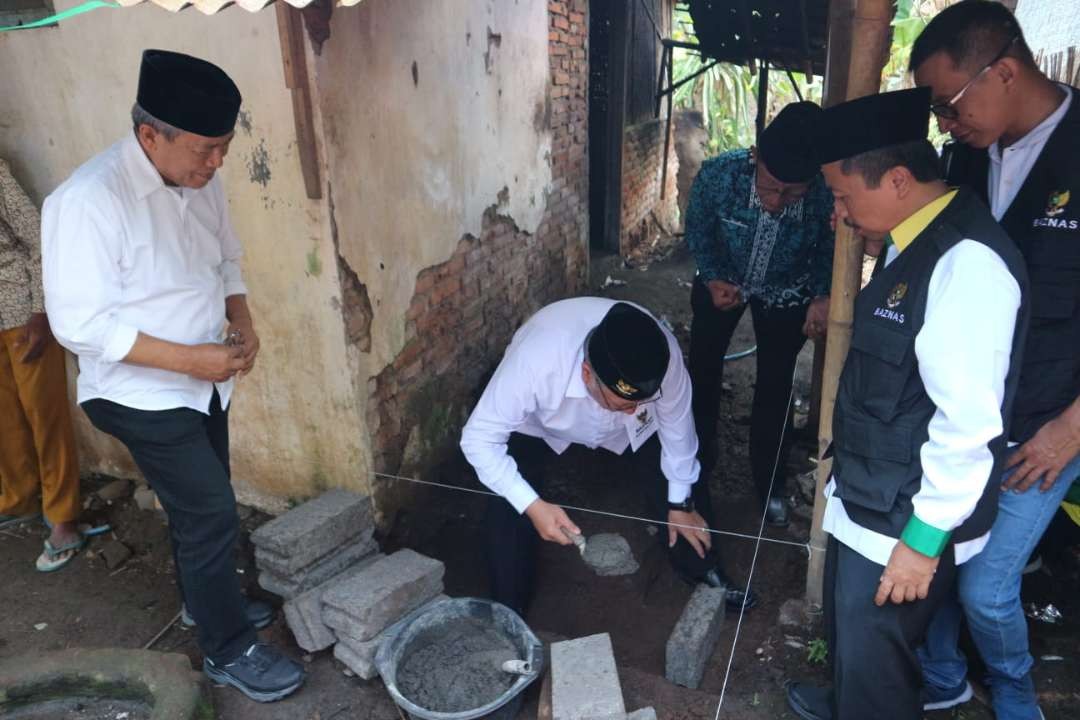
{"points": [[314, 542], [340, 591], [585, 682]]}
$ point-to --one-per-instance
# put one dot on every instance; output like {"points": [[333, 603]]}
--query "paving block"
{"points": [[312, 574], [642, 714], [312, 530], [361, 653], [373, 598], [694, 638], [279, 586], [584, 680], [304, 612]]}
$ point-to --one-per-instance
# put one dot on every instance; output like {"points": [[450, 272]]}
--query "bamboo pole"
{"points": [[859, 38]]}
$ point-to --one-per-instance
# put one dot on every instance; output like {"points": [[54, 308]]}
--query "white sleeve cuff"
{"points": [[678, 492], [235, 287], [119, 345], [520, 494]]}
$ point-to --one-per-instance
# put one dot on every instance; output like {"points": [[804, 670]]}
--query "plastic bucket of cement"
{"points": [[447, 662]]}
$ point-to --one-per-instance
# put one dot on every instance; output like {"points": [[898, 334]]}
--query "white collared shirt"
{"points": [[123, 253], [1009, 169], [963, 351], [538, 390]]}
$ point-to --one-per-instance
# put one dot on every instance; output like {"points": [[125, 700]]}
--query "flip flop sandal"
{"points": [[14, 520], [52, 558], [85, 529]]}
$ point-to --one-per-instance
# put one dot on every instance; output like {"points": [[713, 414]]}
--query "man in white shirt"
{"points": [[1018, 147], [142, 281], [920, 422], [603, 374]]}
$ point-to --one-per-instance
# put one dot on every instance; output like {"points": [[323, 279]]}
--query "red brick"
{"points": [[560, 22], [557, 8], [576, 17]]}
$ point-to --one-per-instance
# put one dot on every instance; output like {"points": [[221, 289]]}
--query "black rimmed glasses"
{"points": [[947, 109]]}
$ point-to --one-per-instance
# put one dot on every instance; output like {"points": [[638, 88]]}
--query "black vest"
{"points": [[1044, 222], [882, 409]]}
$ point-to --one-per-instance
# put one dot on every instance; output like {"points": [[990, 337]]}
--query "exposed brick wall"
{"points": [[642, 207], [464, 311]]}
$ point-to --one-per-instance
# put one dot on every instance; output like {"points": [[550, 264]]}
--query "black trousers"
{"points": [[875, 669], [184, 455], [779, 339], [512, 540]]}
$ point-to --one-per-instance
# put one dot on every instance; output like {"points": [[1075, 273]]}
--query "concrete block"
{"points": [[694, 638], [279, 586], [373, 598], [288, 588], [361, 653], [312, 530], [145, 498], [326, 567], [304, 612], [584, 680], [642, 714]]}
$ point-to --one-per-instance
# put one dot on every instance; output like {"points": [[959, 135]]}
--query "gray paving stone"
{"points": [[694, 638], [312, 530], [304, 612], [326, 567], [370, 600], [584, 680], [610, 554], [361, 653]]}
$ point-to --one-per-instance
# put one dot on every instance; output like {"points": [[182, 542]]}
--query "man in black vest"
{"points": [[1018, 149], [918, 431]]}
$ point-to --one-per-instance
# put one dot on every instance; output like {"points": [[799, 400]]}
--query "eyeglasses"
{"points": [[947, 109]]}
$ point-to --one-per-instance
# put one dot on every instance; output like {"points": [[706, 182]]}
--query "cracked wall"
{"points": [[459, 170]]}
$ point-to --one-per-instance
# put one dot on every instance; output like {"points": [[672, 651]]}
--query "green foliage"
{"points": [[819, 652], [726, 94]]}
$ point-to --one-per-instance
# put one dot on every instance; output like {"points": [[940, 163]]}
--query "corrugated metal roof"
{"points": [[212, 6]]}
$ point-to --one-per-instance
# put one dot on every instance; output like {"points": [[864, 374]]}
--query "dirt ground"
{"points": [[90, 605]]}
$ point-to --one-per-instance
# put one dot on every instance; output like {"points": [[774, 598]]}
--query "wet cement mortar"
{"points": [[610, 554], [456, 666]]}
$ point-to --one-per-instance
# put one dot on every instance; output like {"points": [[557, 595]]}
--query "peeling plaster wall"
{"points": [[430, 109], [66, 94]]}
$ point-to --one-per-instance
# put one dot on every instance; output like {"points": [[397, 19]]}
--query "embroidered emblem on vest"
{"points": [[1057, 202], [896, 295]]}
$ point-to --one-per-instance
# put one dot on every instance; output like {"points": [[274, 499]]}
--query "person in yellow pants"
{"points": [[37, 442]]}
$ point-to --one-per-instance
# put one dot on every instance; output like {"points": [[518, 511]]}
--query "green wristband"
{"points": [[925, 539]]}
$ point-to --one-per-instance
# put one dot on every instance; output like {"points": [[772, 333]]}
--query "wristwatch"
{"points": [[686, 505]]}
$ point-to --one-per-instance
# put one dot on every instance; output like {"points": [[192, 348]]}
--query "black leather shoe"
{"points": [[736, 596], [776, 512], [809, 702], [261, 672], [259, 614]]}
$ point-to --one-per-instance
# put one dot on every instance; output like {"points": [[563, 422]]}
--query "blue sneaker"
{"points": [[935, 698]]}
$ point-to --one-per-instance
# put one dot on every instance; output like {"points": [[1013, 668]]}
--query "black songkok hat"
{"points": [[786, 146], [873, 122], [188, 93], [628, 352]]}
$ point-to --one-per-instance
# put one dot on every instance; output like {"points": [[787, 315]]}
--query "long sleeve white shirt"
{"points": [[963, 351], [122, 253], [538, 390]]}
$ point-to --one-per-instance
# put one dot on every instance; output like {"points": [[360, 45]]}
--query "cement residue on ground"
{"points": [[456, 666]]}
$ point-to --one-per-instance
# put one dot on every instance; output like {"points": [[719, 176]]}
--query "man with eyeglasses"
{"points": [[603, 374], [1018, 146], [758, 225]]}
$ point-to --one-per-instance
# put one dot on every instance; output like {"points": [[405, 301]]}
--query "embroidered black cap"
{"points": [[628, 352], [873, 122], [786, 145], [188, 93]]}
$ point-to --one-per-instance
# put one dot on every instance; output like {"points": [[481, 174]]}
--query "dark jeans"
{"points": [[184, 455], [876, 671], [512, 540], [779, 336]]}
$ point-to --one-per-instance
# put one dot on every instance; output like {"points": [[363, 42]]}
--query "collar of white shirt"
{"points": [[144, 176]]}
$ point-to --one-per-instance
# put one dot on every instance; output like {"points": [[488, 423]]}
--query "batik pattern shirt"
{"points": [[783, 260], [20, 254]]}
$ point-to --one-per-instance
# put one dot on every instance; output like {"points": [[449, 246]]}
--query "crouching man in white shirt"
{"points": [[142, 281], [606, 375]]}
